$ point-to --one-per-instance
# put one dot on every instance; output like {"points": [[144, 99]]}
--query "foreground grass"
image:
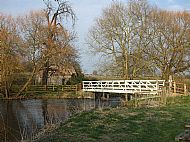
{"points": [[125, 125]]}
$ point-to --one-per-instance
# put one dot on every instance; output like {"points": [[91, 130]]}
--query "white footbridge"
{"points": [[124, 86]]}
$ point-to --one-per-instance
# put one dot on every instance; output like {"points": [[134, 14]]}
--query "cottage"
{"points": [[57, 76]]}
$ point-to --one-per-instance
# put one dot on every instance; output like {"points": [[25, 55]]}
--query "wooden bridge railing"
{"points": [[124, 86]]}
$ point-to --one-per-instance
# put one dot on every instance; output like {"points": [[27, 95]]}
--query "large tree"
{"points": [[119, 34], [57, 36], [37, 42], [43, 52], [33, 34], [10, 56], [139, 40], [169, 49], [47, 41]]}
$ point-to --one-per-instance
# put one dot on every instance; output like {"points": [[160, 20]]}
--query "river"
{"points": [[20, 119]]}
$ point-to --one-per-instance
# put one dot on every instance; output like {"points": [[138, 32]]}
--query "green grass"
{"points": [[160, 124]]}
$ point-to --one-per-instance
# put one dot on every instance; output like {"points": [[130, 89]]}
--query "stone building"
{"points": [[57, 76]]}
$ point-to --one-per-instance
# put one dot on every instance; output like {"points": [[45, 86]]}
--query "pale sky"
{"points": [[86, 11]]}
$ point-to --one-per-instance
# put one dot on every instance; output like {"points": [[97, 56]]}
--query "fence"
{"points": [[52, 88], [175, 88]]}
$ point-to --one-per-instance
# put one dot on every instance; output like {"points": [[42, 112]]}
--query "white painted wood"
{"points": [[124, 86]]}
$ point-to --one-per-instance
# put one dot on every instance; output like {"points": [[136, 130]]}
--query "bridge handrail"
{"points": [[123, 86]]}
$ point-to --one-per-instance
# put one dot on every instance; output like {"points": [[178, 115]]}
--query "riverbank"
{"points": [[65, 95], [159, 124]]}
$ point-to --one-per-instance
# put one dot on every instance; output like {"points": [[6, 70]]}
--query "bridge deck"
{"points": [[124, 86]]}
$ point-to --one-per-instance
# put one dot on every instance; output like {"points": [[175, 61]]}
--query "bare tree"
{"points": [[139, 39], [33, 33], [41, 53], [9, 52], [43, 40], [169, 50], [55, 12], [119, 34]]}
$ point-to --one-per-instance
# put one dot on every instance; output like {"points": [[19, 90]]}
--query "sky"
{"points": [[86, 11]]}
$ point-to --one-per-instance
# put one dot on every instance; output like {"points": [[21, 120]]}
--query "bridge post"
{"points": [[107, 96], [103, 96], [157, 85], [136, 101], [126, 97], [97, 96]]}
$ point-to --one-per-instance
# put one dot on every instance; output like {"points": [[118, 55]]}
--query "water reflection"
{"points": [[19, 119]]}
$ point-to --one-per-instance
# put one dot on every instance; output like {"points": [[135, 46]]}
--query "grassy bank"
{"points": [[125, 125], [52, 95]]}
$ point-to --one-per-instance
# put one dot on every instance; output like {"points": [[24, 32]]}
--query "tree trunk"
{"points": [[45, 74], [125, 65], [6, 90], [166, 74], [126, 71], [27, 83]]}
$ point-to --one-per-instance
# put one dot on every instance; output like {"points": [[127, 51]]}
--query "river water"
{"points": [[20, 119]]}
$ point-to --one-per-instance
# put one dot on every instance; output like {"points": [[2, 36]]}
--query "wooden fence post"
{"points": [[185, 89], [62, 87], [53, 88], [175, 88], [76, 89], [170, 84]]}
